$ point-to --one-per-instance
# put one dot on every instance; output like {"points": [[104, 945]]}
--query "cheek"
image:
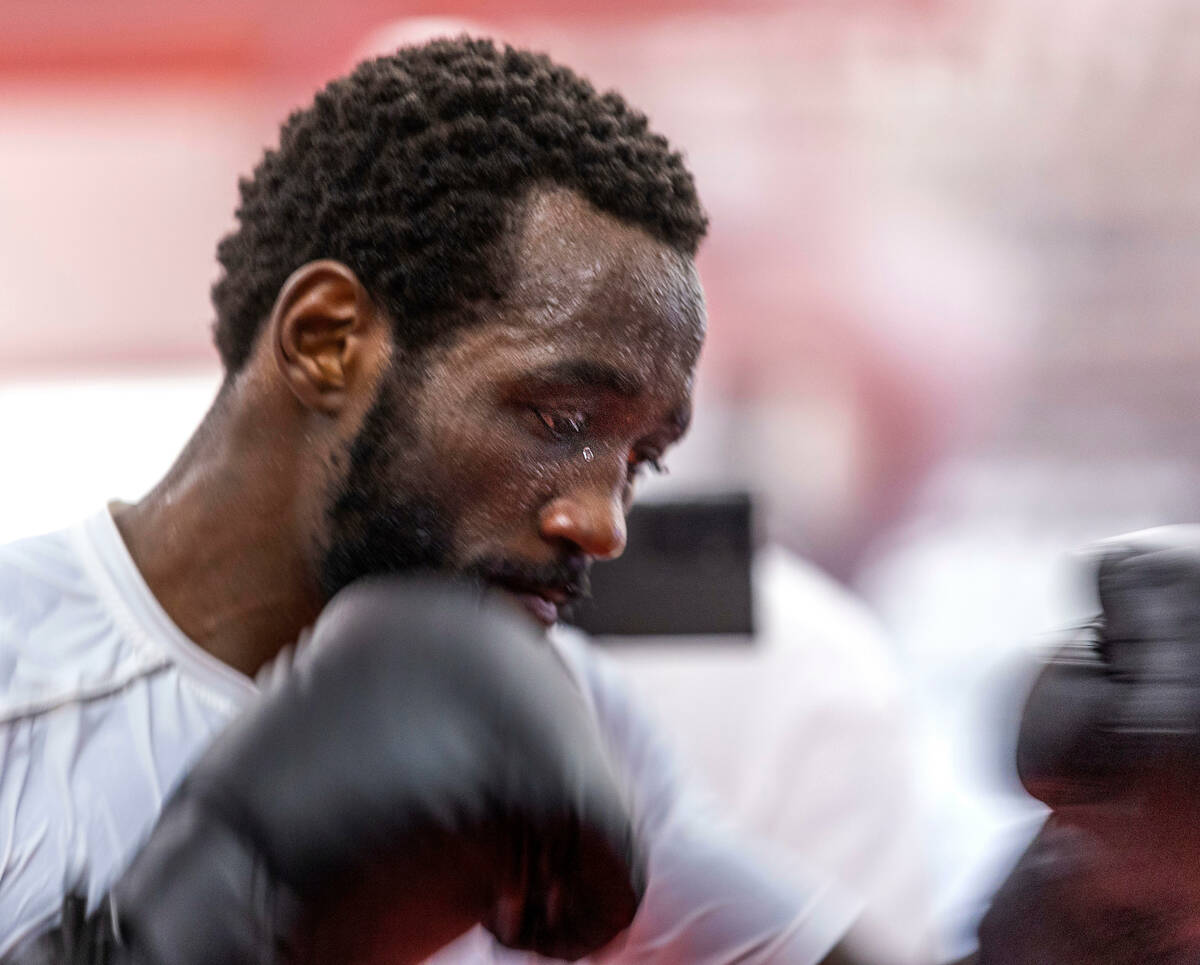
{"points": [[488, 480], [480, 464]]}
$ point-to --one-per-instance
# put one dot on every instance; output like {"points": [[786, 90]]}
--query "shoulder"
{"points": [[60, 638], [97, 724], [45, 593], [35, 574]]}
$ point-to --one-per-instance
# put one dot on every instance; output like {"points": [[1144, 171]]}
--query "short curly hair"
{"points": [[410, 170]]}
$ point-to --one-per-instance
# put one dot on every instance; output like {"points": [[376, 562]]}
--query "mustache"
{"points": [[570, 577]]}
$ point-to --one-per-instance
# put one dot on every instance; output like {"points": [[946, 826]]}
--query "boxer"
{"points": [[458, 316]]}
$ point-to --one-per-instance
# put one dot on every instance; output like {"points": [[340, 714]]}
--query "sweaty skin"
{"points": [[594, 350], [594, 345]]}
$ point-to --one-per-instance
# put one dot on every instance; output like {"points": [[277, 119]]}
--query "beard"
{"points": [[378, 524], [373, 525]]}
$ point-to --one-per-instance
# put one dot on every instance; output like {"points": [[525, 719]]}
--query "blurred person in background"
{"points": [[458, 318]]}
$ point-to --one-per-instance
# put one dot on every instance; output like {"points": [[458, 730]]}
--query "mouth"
{"points": [[544, 591], [542, 609], [543, 603]]}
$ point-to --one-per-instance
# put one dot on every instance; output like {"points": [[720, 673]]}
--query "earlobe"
{"points": [[326, 335]]}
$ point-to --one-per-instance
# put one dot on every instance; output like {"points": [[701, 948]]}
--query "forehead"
{"points": [[587, 287]]}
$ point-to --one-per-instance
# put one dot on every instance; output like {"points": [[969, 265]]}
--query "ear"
{"points": [[329, 338]]}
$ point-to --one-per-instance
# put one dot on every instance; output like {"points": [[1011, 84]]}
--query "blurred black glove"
{"points": [[1110, 740], [429, 766]]}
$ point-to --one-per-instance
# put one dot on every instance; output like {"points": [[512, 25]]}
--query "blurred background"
{"points": [[952, 270]]}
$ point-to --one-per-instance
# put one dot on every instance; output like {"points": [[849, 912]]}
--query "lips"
{"points": [[542, 590], [543, 603], [543, 610]]}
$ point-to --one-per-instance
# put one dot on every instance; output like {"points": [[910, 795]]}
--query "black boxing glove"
{"points": [[1124, 698], [428, 766], [1110, 739]]}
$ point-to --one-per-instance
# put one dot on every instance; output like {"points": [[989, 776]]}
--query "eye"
{"points": [[562, 424]]}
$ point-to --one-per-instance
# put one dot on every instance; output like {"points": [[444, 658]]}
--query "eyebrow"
{"points": [[584, 373]]}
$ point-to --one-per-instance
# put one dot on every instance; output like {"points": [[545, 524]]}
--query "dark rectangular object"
{"points": [[685, 570]]}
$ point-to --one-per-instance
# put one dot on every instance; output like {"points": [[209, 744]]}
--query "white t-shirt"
{"points": [[104, 704]]}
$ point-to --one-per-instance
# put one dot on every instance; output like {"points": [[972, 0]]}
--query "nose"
{"points": [[593, 522]]}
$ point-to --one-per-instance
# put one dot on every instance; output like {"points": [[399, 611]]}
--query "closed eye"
{"points": [[562, 423]]}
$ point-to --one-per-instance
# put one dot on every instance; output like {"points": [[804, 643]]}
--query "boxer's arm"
{"points": [[711, 898], [840, 956]]}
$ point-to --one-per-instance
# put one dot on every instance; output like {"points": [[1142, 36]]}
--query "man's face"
{"points": [[510, 454]]}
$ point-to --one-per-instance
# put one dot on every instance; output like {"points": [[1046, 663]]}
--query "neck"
{"points": [[217, 540]]}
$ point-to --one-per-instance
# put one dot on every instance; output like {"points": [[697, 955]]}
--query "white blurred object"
{"points": [[801, 737]]}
